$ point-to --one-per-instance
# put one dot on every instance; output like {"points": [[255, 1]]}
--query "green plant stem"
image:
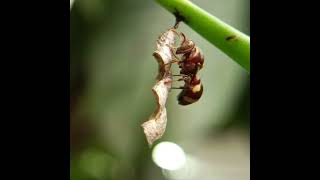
{"points": [[228, 39]]}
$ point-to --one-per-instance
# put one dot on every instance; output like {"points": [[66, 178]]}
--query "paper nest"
{"points": [[155, 127]]}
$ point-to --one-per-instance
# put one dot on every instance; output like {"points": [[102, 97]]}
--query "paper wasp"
{"points": [[191, 62]]}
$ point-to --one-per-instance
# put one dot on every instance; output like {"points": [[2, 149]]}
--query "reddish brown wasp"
{"points": [[191, 62]]}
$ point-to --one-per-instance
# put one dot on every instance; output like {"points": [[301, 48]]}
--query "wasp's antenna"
{"points": [[184, 38]]}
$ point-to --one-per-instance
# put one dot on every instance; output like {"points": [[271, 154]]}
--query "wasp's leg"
{"points": [[184, 38], [175, 56], [179, 39], [181, 79], [179, 88], [180, 34], [172, 62], [175, 31], [184, 75]]}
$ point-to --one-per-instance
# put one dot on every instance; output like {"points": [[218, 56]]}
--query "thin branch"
{"points": [[228, 39]]}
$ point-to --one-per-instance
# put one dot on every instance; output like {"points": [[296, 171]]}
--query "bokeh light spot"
{"points": [[168, 155]]}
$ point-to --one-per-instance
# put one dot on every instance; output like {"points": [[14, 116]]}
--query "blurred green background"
{"points": [[112, 72]]}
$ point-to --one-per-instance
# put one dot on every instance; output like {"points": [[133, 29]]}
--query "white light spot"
{"points": [[168, 156]]}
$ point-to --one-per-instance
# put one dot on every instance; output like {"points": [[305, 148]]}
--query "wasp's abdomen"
{"points": [[191, 95]]}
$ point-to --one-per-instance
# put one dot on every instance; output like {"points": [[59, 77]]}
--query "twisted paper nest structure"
{"points": [[155, 127]]}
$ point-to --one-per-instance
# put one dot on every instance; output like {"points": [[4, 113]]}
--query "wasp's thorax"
{"points": [[192, 58]]}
